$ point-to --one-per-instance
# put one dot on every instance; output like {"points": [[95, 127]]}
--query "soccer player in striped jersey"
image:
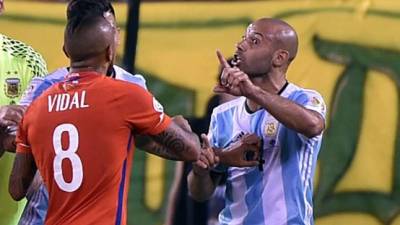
{"points": [[289, 120]]}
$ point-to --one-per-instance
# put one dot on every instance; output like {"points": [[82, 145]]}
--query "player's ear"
{"points": [[65, 51], [109, 54], [280, 57]]}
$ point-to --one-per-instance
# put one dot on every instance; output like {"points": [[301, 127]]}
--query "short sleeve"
{"points": [[311, 100], [121, 74], [145, 114], [22, 137]]}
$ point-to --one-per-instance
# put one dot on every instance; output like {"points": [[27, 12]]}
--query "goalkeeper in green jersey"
{"points": [[19, 64]]}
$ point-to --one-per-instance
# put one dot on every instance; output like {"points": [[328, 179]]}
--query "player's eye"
{"points": [[255, 41]]}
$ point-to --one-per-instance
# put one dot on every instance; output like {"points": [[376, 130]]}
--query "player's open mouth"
{"points": [[236, 60]]}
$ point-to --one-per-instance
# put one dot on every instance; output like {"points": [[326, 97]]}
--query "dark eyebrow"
{"points": [[257, 33]]}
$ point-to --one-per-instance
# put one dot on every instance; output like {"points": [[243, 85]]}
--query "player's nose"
{"points": [[240, 46]]}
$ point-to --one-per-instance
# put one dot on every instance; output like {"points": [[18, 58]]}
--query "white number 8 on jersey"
{"points": [[70, 154]]}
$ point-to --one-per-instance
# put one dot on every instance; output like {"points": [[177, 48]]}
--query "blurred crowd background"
{"points": [[349, 51]]}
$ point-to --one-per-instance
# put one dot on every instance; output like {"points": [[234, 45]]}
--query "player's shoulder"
{"points": [[57, 75], [123, 86], [24, 54], [121, 74], [295, 92], [230, 105]]}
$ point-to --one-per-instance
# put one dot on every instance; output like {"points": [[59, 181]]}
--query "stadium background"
{"points": [[349, 52]]}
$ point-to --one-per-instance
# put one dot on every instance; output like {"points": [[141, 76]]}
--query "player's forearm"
{"points": [[21, 176], [180, 144], [9, 143], [201, 187], [289, 113], [159, 150], [18, 187], [193, 144], [147, 144]]}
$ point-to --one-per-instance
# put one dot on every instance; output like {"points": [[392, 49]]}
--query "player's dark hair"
{"points": [[81, 8], [77, 23], [79, 30]]}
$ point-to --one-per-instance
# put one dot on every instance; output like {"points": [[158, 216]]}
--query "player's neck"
{"points": [[76, 68], [271, 83]]}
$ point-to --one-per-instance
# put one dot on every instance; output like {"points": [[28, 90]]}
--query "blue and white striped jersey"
{"points": [[280, 193], [36, 208]]}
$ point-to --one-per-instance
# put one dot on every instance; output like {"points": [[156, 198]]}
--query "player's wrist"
{"points": [[254, 92], [222, 165], [3, 137], [200, 172]]}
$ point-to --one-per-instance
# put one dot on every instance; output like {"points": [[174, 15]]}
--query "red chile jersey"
{"points": [[80, 132]]}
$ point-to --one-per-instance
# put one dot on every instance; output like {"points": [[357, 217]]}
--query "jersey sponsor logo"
{"points": [[12, 87]]}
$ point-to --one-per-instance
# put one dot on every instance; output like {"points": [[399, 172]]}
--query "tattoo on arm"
{"points": [[150, 146], [171, 140], [175, 143], [162, 151]]}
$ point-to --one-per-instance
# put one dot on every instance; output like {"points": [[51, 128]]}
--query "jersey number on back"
{"points": [[70, 154]]}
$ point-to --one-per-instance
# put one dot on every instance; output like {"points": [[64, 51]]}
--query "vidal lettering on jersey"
{"points": [[63, 102]]}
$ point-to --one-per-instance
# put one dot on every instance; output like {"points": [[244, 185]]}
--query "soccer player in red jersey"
{"points": [[79, 133]]}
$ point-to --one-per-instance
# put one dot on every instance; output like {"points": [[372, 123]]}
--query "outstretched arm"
{"points": [[177, 142], [147, 144]]}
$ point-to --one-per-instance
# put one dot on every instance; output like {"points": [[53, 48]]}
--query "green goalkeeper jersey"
{"points": [[19, 63]]}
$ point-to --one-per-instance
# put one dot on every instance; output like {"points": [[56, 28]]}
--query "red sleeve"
{"points": [[145, 113], [22, 138]]}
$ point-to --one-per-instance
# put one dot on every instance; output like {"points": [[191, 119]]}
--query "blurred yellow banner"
{"points": [[349, 51]]}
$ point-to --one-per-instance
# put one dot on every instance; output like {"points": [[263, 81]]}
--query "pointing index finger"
{"points": [[222, 60]]}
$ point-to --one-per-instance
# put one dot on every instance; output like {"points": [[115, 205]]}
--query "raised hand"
{"points": [[243, 153], [233, 81]]}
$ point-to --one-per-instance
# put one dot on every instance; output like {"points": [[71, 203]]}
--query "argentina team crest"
{"points": [[12, 87], [271, 129]]}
